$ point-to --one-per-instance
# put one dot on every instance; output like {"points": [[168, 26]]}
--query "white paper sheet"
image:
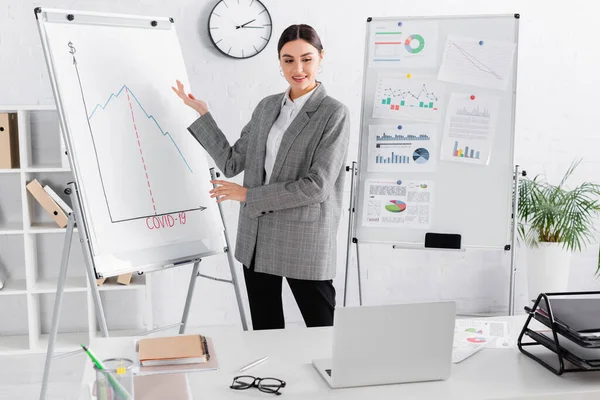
{"points": [[403, 44], [478, 62], [463, 348], [400, 97], [403, 148], [398, 203], [473, 335], [469, 128], [496, 333]]}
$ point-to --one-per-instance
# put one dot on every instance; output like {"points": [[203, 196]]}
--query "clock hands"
{"points": [[243, 25]]}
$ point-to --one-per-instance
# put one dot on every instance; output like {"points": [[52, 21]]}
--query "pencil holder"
{"points": [[115, 381]]}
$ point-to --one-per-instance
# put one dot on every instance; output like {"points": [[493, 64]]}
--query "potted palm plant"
{"points": [[555, 221]]}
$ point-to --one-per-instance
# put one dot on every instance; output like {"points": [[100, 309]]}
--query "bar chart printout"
{"points": [[469, 128], [407, 147]]}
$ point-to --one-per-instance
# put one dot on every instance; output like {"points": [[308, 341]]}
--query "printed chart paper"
{"points": [[399, 204], [469, 128], [471, 336], [403, 44], [399, 97], [495, 333], [402, 148], [478, 62]]}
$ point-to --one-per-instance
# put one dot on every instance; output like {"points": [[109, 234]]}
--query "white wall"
{"points": [[556, 122]]}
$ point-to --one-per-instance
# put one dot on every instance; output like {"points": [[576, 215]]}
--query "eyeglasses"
{"points": [[267, 385]]}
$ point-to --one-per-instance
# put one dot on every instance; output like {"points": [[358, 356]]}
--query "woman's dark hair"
{"points": [[301, 31]]}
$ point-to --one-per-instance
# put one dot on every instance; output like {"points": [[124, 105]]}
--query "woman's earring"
{"points": [[281, 71], [320, 68]]}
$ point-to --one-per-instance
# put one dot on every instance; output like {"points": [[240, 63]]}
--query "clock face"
{"points": [[240, 28]]}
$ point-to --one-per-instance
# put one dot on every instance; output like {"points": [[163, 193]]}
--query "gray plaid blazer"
{"points": [[289, 225]]}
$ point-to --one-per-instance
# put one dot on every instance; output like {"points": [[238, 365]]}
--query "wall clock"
{"points": [[239, 28]]}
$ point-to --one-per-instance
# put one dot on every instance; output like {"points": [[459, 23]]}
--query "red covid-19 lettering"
{"points": [[166, 221]]}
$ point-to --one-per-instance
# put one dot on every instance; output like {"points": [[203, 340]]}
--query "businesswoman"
{"points": [[292, 151]]}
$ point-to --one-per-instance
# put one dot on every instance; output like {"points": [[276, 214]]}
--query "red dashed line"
{"points": [[140, 147]]}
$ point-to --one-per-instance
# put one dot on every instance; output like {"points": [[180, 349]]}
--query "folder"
{"points": [[38, 192], [9, 141]]}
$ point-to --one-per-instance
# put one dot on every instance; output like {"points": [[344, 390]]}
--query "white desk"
{"points": [[489, 374]]}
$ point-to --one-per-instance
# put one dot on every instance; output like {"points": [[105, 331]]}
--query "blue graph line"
{"points": [[149, 117]]}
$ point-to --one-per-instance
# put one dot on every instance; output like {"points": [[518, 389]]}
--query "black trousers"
{"points": [[316, 300]]}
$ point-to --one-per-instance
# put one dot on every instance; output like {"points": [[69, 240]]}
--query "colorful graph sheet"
{"points": [[398, 97], [406, 147], [469, 128], [397, 203], [404, 44]]}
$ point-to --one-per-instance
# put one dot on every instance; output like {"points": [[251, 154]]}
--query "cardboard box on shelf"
{"points": [[38, 192], [9, 141], [124, 279]]}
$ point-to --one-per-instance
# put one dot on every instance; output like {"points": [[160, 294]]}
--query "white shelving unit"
{"points": [[31, 247]]}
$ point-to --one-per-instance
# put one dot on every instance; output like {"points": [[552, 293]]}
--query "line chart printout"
{"points": [[143, 179], [398, 97], [471, 61]]}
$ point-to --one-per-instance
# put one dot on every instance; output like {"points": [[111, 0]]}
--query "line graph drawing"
{"points": [[471, 61], [124, 87], [407, 97], [476, 63], [397, 97], [132, 159], [141, 152], [474, 111]]}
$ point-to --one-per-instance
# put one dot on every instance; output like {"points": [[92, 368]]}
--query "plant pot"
{"points": [[548, 267]]}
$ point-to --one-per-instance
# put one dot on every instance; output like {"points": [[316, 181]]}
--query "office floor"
{"points": [[21, 377]]}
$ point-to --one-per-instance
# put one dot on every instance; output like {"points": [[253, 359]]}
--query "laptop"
{"points": [[400, 343]]}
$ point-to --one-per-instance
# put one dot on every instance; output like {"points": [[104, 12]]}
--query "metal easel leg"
{"points": [[101, 319], [359, 276], [62, 277], [91, 275], [190, 295], [234, 280], [351, 239], [236, 287], [513, 253]]}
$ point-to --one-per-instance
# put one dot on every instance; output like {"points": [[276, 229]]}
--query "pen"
{"points": [[253, 364], [121, 391]]}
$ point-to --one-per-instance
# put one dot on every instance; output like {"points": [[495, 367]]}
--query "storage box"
{"points": [[9, 141], [38, 192]]}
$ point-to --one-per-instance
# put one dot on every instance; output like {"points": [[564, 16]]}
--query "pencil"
{"points": [[121, 391]]}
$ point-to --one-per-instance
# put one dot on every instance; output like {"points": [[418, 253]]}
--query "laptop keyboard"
{"points": [[328, 372]]}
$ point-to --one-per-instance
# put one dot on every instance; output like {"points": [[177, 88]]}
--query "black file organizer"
{"points": [[553, 344]]}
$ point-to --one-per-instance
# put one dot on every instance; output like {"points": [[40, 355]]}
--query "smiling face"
{"points": [[300, 63]]}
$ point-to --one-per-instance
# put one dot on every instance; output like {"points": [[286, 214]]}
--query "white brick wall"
{"points": [[558, 86]]}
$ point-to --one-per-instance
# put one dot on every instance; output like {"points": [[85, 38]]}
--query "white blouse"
{"points": [[289, 110]]}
